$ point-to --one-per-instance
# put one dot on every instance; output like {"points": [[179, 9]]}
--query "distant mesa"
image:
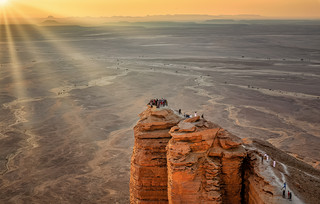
{"points": [[50, 22]]}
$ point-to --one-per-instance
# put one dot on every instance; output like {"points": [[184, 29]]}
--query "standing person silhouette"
{"points": [[284, 186]]}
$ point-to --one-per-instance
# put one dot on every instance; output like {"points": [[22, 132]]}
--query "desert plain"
{"points": [[70, 97]]}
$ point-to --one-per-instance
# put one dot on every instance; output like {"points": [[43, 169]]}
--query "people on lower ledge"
{"points": [[284, 188], [190, 115]]}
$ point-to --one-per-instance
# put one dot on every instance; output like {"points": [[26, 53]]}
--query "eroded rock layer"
{"points": [[256, 188], [196, 161], [148, 181], [204, 164]]}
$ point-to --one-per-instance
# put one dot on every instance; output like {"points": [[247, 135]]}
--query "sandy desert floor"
{"points": [[70, 96]]}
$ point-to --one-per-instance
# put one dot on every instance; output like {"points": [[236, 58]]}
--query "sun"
{"points": [[3, 2]]}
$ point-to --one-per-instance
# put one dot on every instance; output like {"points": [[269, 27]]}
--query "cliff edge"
{"points": [[148, 181], [178, 160], [204, 163]]}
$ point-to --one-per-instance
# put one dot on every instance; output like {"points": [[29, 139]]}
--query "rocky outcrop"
{"points": [[148, 181], [204, 164], [184, 161], [195, 161]]}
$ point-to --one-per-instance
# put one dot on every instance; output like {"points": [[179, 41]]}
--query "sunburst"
{"points": [[3, 2]]}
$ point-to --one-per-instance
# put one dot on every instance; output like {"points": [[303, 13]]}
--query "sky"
{"points": [[106, 8]]}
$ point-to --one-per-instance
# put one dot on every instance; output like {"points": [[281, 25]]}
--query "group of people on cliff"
{"points": [[284, 191], [284, 188], [190, 115], [158, 102]]}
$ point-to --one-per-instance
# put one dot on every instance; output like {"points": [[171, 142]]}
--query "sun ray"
{"points": [[33, 138], [15, 65], [66, 50], [63, 47], [25, 36], [36, 56], [3, 2]]}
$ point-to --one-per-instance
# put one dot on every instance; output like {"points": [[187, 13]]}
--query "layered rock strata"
{"points": [[148, 181], [256, 188], [195, 161], [204, 164]]}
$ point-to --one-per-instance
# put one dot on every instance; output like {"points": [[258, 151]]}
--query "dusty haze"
{"points": [[70, 98]]}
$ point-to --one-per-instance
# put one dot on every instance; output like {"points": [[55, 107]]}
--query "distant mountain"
{"points": [[50, 23], [263, 21], [170, 20], [150, 18], [152, 23]]}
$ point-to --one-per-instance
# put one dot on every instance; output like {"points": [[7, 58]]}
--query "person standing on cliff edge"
{"points": [[284, 186], [290, 196]]}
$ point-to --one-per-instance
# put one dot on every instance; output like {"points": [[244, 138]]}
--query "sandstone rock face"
{"points": [[148, 181], [204, 164], [256, 187], [194, 161]]}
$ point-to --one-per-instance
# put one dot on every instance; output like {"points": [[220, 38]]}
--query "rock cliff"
{"points": [[257, 188], [204, 164], [148, 181], [177, 160]]}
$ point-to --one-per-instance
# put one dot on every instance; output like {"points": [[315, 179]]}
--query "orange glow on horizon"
{"points": [[107, 8]]}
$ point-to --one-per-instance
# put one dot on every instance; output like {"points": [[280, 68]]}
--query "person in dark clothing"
{"points": [[284, 193], [179, 111]]}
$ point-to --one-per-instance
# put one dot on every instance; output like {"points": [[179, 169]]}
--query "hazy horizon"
{"points": [[72, 88], [176, 18], [71, 96], [288, 9]]}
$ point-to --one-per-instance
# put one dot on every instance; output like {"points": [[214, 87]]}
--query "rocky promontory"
{"points": [[148, 181], [179, 160]]}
